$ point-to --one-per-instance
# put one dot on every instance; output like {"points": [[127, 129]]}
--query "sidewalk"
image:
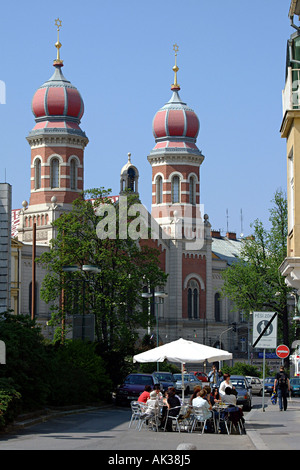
{"points": [[273, 429]]}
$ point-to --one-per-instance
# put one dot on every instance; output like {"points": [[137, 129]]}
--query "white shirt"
{"points": [[200, 402], [229, 399], [222, 387]]}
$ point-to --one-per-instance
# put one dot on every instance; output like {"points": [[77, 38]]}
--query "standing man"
{"points": [[213, 376], [282, 385]]}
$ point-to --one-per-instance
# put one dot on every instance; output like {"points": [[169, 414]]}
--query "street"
{"points": [[107, 429]]}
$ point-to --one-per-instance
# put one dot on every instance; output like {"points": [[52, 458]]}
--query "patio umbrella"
{"points": [[183, 351]]}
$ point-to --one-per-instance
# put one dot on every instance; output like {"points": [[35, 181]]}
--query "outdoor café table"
{"points": [[218, 409]]}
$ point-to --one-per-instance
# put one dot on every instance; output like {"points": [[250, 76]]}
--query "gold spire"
{"points": [[175, 85], [58, 61]]}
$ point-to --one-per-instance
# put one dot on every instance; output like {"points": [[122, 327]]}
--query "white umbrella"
{"points": [[183, 351]]}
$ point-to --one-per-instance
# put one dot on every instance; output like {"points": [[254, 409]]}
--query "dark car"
{"points": [[243, 389], [295, 386], [269, 384], [166, 379], [133, 386]]}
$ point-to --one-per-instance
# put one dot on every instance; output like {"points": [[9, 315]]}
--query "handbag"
{"points": [[274, 398]]}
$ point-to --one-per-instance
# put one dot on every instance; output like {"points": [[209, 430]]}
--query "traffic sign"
{"points": [[269, 339], [282, 351]]}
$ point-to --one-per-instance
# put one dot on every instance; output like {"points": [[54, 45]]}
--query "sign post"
{"points": [[265, 337]]}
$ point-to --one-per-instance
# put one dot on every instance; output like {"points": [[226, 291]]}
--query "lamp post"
{"points": [[87, 268], [160, 296]]}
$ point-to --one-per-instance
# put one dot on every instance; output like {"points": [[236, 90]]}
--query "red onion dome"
{"points": [[175, 120], [57, 100]]}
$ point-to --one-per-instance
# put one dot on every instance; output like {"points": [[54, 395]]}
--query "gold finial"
{"points": [[58, 61], [175, 85]]}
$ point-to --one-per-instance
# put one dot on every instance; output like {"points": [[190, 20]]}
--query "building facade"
{"points": [[192, 254]]}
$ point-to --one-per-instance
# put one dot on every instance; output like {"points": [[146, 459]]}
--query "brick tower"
{"points": [[57, 154]]}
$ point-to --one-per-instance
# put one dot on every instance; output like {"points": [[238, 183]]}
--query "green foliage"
{"points": [[9, 402], [77, 375], [37, 374], [241, 368], [26, 359], [252, 282]]}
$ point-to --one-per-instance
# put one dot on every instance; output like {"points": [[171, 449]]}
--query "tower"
{"points": [[175, 160], [129, 177], [57, 153]]}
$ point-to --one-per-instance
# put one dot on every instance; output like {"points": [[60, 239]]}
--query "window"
{"points": [[37, 174], [192, 190], [159, 190], [175, 189], [217, 307], [54, 173], [131, 179], [73, 174], [193, 299]]}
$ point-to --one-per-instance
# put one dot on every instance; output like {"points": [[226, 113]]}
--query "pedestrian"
{"points": [[282, 387], [213, 376]]}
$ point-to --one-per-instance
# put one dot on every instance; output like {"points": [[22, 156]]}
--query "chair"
{"points": [[198, 417], [151, 420], [136, 412], [236, 419], [173, 418]]}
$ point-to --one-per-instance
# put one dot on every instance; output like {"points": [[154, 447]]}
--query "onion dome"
{"points": [[175, 126], [57, 104]]}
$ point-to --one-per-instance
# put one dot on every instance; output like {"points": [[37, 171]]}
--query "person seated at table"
{"points": [[215, 396], [230, 397], [152, 406], [159, 395], [197, 389], [145, 395], [208, 393], [201, 402], [173, 404]]}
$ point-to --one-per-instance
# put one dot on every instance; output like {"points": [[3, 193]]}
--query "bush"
{"points": [[241, 368], [77, 375], [10, 405]]}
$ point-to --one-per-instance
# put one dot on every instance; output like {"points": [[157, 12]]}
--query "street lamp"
{"points": [[160, 296], [87, 268]]}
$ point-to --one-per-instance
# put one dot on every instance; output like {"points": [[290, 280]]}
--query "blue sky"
{"points": [[120, 56]]}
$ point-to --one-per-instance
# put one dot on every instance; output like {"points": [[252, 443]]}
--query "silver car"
{"points": [[189, 380], [256, 385]]}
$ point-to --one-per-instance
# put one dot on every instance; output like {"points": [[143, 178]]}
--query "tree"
{"points": [[254, 282], [92, 233]]}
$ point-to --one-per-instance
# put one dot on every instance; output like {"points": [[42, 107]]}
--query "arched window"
{"points": [[37, 174], [73, 174], [217, 307], [131, 179], [54, 173], [175, 189], [159, 192], [192, 187], [193, 299]]}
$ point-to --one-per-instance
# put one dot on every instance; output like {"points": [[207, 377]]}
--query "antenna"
{"points": [[242, 231], [227, 217]]}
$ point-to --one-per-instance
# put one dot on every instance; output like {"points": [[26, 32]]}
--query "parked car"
{"points": [[166, 379], [295, 386], [133, 386], [256, 384], [243, 389], [269, 384], [189, 380], [200, 376]]}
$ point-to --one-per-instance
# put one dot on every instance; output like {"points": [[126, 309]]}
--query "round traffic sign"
{"points": [[282, 351]]}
